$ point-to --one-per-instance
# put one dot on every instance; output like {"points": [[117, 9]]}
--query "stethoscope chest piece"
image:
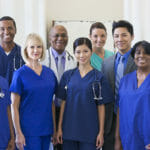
{"points": [[1, 93], [96, 86], [66, 87]]}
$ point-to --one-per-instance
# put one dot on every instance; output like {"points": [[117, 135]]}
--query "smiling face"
{"points": [[98, 38], [58, 38], [83, 54], [7, 31], [141, 58], [122, 39], [34, 50]]}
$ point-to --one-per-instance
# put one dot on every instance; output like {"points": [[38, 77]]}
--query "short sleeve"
{"points": [[106, 91], [62, 88], [16, 84]]}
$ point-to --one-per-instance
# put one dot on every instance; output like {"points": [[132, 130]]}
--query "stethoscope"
{"points": [[96, 85], [68, 58], [17, 64], [1, 93], [14, 63]]}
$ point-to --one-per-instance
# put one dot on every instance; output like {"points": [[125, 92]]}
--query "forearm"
{"points": [[15, 112], [101, 118], [54, 118], [61, 114], [117, 134]]}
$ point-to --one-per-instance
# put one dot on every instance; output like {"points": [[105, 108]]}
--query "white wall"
{"points": [[37, 15], [85, 9]]}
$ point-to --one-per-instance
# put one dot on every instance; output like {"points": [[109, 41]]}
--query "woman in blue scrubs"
{"points": [[84, 92], [134, 102], [7, 139], [32, 90]]}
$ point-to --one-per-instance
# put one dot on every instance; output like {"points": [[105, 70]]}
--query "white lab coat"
{"points": [[49, 61]]}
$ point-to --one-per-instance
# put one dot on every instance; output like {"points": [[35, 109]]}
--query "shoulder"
{"points": [[93, 54], [131, 66], [108, 52], [18, 47], [108, 62], [129, 75], [98, 74], [20, 72], [48, 70], [110, 59], [70, 71], [127, 79]]}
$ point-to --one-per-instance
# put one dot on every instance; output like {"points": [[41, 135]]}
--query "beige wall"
{"points": [[89, 10], [85, 10], [37, 15]]}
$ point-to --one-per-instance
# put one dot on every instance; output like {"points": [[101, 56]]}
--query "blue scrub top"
{"points": [[9, 63], [36, 92], [80, 121], [4, 124], [134, 104]]}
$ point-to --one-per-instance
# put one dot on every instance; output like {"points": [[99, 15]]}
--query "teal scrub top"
{"points": [[96, 61]]}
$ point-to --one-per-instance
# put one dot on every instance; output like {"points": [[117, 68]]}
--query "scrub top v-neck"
{"points": [[80, 121], [36, 92], [134, 104]]}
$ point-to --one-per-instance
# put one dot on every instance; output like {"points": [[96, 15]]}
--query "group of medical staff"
{"points": [[74, 101]]}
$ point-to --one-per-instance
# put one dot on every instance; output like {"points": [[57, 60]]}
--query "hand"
{"points": [[147, 147], [118, 145], [59, 136], [20, 141], [11, 144], [99, 141], [54, 138]]}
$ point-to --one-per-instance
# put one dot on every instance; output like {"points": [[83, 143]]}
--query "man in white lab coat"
{"points": [[59, 60]]}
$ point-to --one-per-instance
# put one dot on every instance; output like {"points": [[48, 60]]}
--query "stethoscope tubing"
{"points": [[69, 57]]}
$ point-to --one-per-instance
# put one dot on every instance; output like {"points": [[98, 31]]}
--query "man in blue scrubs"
{"points": [[10, 52], [6, 127]]}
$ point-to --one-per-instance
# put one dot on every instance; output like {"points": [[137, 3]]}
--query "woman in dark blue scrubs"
{"points": [[134, 102], [83, 91], [7, 139], [32, 90]]}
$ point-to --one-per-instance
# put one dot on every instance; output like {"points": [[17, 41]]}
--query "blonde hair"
{"points": [[32, 37]]}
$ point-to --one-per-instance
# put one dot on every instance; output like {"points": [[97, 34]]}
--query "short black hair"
{"points": [[8, 18], [124, 24], [82, 41], [97, 25], [144, 44]]}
